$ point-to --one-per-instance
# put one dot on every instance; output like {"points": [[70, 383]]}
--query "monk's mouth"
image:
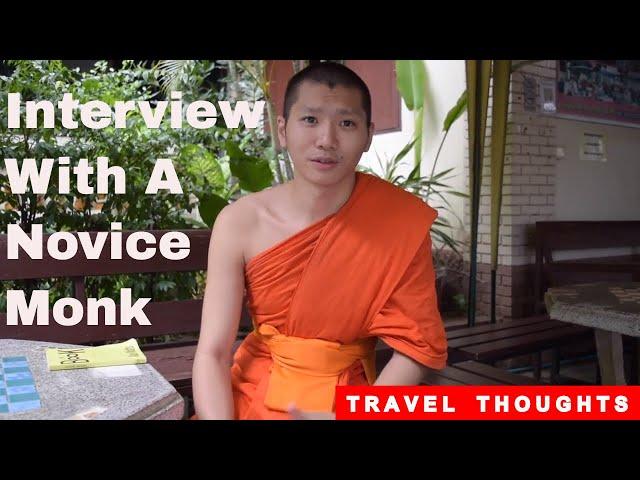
{"points": [[324, 161]]}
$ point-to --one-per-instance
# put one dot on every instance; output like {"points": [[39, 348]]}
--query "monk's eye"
{"points": [[348, 123], [310, 120]]}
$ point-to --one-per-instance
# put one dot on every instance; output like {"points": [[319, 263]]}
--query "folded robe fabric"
{"points": [[320, 298]]}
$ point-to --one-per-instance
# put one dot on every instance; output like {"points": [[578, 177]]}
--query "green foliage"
{"points": [[200, 158], [210, 206], [456, 112], [202, 165], [254, 173], [412, 80]]}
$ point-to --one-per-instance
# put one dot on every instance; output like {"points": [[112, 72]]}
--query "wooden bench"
{"points": [[463, 373], [172, 359], [475, 373], [489, 343]]}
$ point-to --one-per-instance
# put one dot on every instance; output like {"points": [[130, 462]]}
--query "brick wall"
{"points": [[528, 196]]}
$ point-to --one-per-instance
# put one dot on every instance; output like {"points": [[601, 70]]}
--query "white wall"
{"points": [[446, 82], [589, 190]]}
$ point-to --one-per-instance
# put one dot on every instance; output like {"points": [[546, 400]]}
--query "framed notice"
{"points": [[599, 90]]}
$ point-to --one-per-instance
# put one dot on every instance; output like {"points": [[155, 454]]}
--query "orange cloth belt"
{"points": [[306, 370]]}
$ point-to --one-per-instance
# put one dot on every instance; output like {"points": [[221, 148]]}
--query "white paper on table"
{"points": [[116, 371]]}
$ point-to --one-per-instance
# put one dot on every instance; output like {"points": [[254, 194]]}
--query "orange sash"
{"points": [[307, 370]]}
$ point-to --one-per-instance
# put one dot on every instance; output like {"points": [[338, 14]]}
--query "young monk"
{"points": [[331, 261]]}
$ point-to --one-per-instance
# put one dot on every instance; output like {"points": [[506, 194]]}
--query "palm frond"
{"points": [[171, 72]]}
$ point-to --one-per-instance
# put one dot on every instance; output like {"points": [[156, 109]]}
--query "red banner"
{"points": [[488, 403]]}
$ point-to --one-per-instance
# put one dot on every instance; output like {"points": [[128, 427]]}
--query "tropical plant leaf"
{"points": [[445, 238], [442, 173], [210, 206], [443, 198], [402, 153], [412, 82], [202, 165], [164, 285], [171, 73], [456, 112], [457, 194], [253, 173]]}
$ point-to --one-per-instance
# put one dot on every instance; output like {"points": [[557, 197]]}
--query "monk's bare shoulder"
{"points": [[251, 209], [235, 219], [244, 218]]}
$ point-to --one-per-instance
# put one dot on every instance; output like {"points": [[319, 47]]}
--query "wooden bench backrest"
{"points": [[582, 235], [554, 236], [172, 317]]}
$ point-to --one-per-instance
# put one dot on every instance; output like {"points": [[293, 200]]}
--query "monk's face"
{"points": [[326, 132]]}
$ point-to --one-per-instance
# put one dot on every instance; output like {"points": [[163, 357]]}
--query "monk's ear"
{"points": [[371, 130], [282, 136]]}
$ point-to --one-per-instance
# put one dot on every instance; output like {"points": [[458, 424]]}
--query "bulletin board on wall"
{"points": [[602, 91]]}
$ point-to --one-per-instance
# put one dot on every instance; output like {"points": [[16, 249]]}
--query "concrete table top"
{"points": [[134, 392], [613, 307]]}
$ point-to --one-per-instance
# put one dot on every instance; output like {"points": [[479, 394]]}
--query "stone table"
{"points": [[612, 309], [133, 392]]}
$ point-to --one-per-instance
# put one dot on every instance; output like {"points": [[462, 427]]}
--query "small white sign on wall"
{"points": [[592, 147], [548, 96]]}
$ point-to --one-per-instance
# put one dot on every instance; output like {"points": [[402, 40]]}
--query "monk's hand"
{"points": [[297, 414]]}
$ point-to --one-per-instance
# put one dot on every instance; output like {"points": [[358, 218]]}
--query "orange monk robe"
{"points": [[320, 298]]}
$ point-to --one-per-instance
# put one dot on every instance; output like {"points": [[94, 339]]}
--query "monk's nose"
{"points": [[327, 139]]}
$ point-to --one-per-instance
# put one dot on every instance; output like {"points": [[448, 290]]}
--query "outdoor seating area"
{"points": [[490, 343], [473, 351]]}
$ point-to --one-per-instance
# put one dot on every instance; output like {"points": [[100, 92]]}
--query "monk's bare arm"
{"points": [[401, 370], [221, 311]]}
